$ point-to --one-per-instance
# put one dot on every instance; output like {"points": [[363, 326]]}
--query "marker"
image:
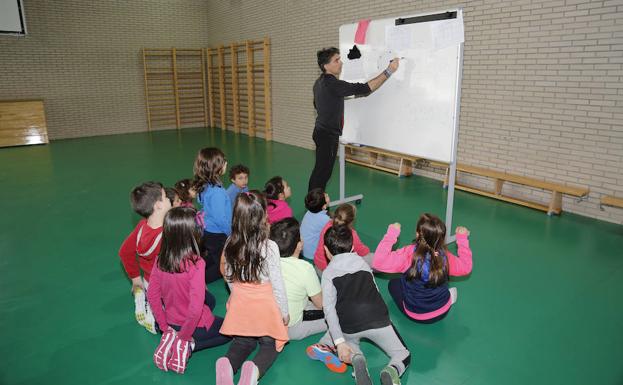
{"points": [[400, 58]]}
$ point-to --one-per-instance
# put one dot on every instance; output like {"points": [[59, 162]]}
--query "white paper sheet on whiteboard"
{"points": [[398, 38], [447, 33]]}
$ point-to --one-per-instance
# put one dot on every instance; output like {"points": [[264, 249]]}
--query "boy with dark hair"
{"points": [[239, 176], [354, 310], [301, 282], [149, 200], [316, 217]]}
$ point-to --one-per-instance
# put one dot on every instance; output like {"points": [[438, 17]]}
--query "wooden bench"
{"points": [[499, 178], [22, 122], [371, 155], [611, 201]]}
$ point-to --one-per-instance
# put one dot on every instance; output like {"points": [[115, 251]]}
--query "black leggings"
{"points": [[211, 249], [326, 152], [242, 347], [208, 338], [395, 290]]}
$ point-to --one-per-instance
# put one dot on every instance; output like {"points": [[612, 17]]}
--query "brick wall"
{"points": [[542, 87], [83, 58]]}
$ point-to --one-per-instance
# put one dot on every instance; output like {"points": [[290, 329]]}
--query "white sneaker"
{"points": [[150, 321], [139, 305]]}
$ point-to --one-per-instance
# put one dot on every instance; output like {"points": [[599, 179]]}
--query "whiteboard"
{"points": [[12, 17], [413, 112]]}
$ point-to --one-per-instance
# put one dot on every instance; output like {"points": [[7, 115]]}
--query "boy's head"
{"points": [[286, 234], [239, 175], [338, 240], [316, 200], [148, 198]]}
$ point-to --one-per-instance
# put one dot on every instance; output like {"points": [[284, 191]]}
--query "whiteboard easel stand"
{"points": [[452, 169], [343, 199]]}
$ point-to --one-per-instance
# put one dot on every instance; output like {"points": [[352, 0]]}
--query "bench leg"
{"points": [[405, 168], [555, 205], [499, 183]]}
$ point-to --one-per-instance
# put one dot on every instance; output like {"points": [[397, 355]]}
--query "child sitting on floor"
{"points": [[239, 177], [277, 191], [316, 217], [354, 310], [257, 309], [149, 200], [301, 281], [422, 292], [181, 304], [344, 215]]}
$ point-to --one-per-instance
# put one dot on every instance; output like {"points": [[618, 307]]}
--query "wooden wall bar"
{"points": [[226, 86], [175, 87]]}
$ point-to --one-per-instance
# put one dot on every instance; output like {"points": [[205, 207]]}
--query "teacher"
{"points": [[329, 94]]}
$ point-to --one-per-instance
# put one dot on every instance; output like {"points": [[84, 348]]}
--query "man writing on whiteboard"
{"points": [[329, 94]]}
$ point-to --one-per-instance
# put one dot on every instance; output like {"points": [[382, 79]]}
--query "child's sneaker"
{"points": [[163, 351], [180, 352], [150, 321], [224, 372], [249, 374], [389, 376], [139, 305], [327, 355], [360, 368]]}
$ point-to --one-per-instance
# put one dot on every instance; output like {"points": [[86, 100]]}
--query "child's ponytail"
{"points": [[429, 258], [344, 215]]}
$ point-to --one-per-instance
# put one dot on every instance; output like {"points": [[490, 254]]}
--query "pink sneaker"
{"points": [[224, 372], [163, 351], [249, 374], [180, 353]]}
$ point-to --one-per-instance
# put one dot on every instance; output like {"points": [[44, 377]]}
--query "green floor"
{"points": [[542, 305]]}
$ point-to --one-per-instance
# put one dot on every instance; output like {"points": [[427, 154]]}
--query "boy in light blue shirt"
{"points": [[239, 176], [314, 220]]}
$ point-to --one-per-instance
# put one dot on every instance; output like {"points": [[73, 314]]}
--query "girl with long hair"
{"points": [[422, 292], [257, 309], [177, 294]]}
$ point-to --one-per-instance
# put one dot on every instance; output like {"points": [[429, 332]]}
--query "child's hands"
{"points": [[137, 283], [344, 352], [461, 230], [299, 248], [396, 226], [286, 320]]}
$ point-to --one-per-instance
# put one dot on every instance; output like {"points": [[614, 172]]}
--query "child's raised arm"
{"points": [[389, 261], [461, 265]]}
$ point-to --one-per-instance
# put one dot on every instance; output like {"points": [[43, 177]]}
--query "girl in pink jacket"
{"points": [[422, 292], [344, 215], [177, 294]]}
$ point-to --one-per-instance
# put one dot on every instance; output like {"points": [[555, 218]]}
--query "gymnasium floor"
{"points": [[542, 305]]}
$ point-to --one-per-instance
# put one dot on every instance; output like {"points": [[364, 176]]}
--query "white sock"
{"points": [[453, 294]]}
